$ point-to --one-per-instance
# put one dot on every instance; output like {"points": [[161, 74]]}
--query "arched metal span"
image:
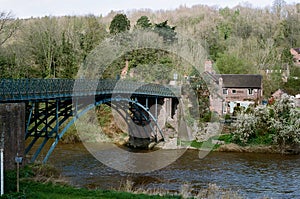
{"points": [[54, 105], [155, 128]]}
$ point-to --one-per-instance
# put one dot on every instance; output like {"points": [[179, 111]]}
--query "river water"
{"points": [[251, 175]]}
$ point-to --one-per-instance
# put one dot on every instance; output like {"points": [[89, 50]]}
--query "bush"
{"points": [[276, 124], [285, 122]]}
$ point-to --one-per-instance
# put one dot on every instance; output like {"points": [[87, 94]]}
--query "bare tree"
{"points": [[8, 26]]}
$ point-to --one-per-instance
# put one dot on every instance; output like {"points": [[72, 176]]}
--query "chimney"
{"points": [[208, 67], [124, 70]]}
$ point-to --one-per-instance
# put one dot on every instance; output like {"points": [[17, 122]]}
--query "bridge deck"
{"points": [[16, 90]]}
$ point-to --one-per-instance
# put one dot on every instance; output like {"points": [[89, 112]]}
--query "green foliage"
{"points": [[143, 23], [7, 64], [157, 73], [227, 138], [120, 23], [292, 86], [92, 33], [167, 32], [224, 30], [239, 40], [31, 189], [272, 83], [200, 88], [196, 144], [231, 64]]}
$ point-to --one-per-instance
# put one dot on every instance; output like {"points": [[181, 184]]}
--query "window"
{"points": [[250, 91], [225, 91], [233, 91]]}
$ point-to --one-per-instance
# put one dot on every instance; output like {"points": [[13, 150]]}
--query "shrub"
{"points": [[244, 128], [276, 124], [285, 122]]}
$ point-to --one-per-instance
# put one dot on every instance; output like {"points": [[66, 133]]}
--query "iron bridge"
{"points": [[53, 106]]}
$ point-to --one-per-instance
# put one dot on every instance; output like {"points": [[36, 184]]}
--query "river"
{"points": [[251, 175]]}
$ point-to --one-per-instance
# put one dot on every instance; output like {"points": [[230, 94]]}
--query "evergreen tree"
{"points": [[143, 23], [120, 23], [164, 30]]}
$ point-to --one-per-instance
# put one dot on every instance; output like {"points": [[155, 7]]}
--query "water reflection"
{"points": [[132, 162]]}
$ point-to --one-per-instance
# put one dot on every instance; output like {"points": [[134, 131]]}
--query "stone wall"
{"points": [[12, 129]]}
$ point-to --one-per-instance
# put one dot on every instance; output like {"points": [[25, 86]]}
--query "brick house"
{"points": [[240, 90], [236, 90]]}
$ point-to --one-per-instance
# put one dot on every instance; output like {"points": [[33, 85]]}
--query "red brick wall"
{"points": [[237, 94]]}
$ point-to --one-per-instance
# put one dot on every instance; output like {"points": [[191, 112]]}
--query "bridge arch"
{"points": [[153, 124]]}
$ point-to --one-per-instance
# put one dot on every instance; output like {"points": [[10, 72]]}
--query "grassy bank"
{"points": [[31, 189], [213, 143], [43, 181], [227, 143]]}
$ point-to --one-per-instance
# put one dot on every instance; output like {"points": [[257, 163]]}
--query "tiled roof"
{"points": [[241, 81]]}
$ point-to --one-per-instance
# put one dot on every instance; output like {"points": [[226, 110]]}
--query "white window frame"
{"points": [[233, 91]]}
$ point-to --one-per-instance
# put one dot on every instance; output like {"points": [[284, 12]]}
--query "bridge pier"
{"points": [[12, 129]]}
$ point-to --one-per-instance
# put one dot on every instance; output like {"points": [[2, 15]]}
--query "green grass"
{"points": [[227, 138], [266, 139], [32, 189], [38, 190]]}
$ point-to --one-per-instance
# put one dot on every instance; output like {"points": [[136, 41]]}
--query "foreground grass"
{"points": [[212, 143], [31, 189], [43, 181]]}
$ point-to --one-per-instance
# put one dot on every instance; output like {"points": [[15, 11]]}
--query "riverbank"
{"points": [[33, 189], [225, 143], [271, 149], [44, 181]]}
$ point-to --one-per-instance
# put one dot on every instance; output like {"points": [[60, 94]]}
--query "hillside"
{"points": [[243, 39]]}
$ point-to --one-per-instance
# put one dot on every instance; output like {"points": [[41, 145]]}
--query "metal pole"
{"points": [[1, 157], [2, 172], [156, 117]]}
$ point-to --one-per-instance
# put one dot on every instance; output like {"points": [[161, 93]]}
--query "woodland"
{"points": [[239, 40]]}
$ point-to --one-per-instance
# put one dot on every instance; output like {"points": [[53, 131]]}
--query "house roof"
{"points": [[241, 81], [297, 50], [278, 93]]}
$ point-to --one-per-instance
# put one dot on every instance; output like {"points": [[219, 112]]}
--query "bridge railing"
{"points": [[31, 89]]}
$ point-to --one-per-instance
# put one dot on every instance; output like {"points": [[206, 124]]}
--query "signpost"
{"points": [[18, 160]]}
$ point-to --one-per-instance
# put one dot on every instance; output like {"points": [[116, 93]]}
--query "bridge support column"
{"points": [[12, 132], [168, 107]]}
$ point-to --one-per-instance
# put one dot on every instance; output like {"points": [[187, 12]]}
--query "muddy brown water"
{"points": [[251, 175]]}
